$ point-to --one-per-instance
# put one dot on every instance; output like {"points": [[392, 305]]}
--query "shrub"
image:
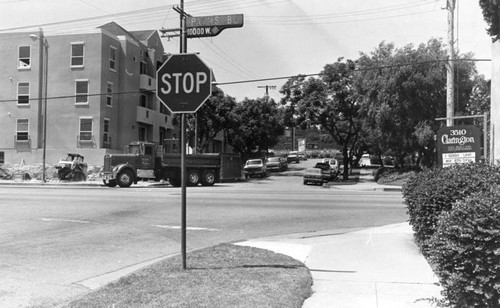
{"points": [[432, 192], [465, 250]]}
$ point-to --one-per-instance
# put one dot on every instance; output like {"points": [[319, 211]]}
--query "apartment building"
{"points": [[100, 93]]}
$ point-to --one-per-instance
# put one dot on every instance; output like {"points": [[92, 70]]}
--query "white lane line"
{"points": [[66, 220], [187, 228]]}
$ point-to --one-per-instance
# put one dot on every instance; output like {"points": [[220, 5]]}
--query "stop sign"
{"points": [[183, 83]]}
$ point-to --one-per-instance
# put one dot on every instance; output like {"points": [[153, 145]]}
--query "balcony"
{"points": [[147, 83], [145, 115]]}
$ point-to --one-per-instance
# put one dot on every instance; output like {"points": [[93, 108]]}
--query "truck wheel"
{"points": [[124, 178], [208, 178], [193, 178], [110, 183]]}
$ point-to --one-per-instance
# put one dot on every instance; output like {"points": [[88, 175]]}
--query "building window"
{"points": [[2, 157], [82, 91], [112, 58], [24, 57], [77, 54], [85, 129], [109, 94], [105, 137], [143, 101], [22, 130], [23, 93]]}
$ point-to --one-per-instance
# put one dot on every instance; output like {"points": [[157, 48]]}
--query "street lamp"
{"points": [[43, 69]]}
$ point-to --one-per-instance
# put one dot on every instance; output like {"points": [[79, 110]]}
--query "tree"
{"points": [[256, 126], [213, 118], [403, 91], [491, 14], [328, 102]]}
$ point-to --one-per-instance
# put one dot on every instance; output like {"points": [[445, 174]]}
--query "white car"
{"points": [[255, 167], [365, 160]]}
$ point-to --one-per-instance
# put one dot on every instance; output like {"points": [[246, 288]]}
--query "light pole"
{"points": [[42, 82]]}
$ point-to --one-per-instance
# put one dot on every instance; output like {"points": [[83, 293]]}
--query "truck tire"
{"points": [[193, 178], [110, 183], [124, 178], [208, 178]]}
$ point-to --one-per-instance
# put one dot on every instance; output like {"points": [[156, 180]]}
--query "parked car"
{"points": [[255, 167], [327, 171], [365, 161], [275, 163], [292, 157], [334, 164], [313, 176]]}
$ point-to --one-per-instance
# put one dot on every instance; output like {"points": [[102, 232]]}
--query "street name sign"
{"points": [[206, 26], [184, 83], [458, 145]]}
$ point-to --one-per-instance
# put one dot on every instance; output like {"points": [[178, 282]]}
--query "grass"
{"points": [[221, 276]]}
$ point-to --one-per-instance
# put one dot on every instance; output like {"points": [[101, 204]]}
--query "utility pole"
{"points": [[450, 67], [267, 87]]}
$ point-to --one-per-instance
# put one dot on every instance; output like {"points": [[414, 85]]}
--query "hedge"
{"points": [[465, 251], [432, 192]]}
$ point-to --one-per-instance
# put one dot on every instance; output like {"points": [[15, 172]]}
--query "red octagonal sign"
{"points": [[183, 83]]}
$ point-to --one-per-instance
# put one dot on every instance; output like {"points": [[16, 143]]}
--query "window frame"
{"points": [[26, 132], [109, 94], [113, 58], [82, 132], [27, 96], [72, 56], [19, 66], [77, 94], [106, 130]]}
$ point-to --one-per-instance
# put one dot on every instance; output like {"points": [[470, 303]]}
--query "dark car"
{"points": [[327, 171], [275, 164], [313, 176], [293, 157]]}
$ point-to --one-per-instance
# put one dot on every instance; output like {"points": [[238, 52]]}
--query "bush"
{"points": [[465, 250], [432, 192]]}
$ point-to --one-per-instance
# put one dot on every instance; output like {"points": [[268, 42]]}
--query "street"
{"points": [[54, 239]]}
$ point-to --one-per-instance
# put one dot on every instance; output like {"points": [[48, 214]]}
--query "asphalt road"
{"points": [[56, 240]]}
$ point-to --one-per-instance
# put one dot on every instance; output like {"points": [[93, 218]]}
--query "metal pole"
{"points": [[450, 76], [485, 136], [183, 48], [40, 89], [46, 52]]}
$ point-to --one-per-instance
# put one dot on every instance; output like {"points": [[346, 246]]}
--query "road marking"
{"points": [[66, 220], [187, 228]]}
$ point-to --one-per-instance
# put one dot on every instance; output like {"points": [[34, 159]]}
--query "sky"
{"points": [[279, 38]]}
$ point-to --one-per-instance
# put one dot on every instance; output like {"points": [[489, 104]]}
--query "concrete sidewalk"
{"points": [[377, 267]]}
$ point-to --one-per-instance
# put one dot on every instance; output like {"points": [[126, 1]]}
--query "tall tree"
{"points": [[256, 126], [491, 14], [213, 118], [403, 90], [328, 102]]}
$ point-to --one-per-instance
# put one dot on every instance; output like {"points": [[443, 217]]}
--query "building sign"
{"points": [[458, 145]]}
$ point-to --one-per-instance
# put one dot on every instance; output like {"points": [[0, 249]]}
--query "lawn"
{"points": [[221, 276]]}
